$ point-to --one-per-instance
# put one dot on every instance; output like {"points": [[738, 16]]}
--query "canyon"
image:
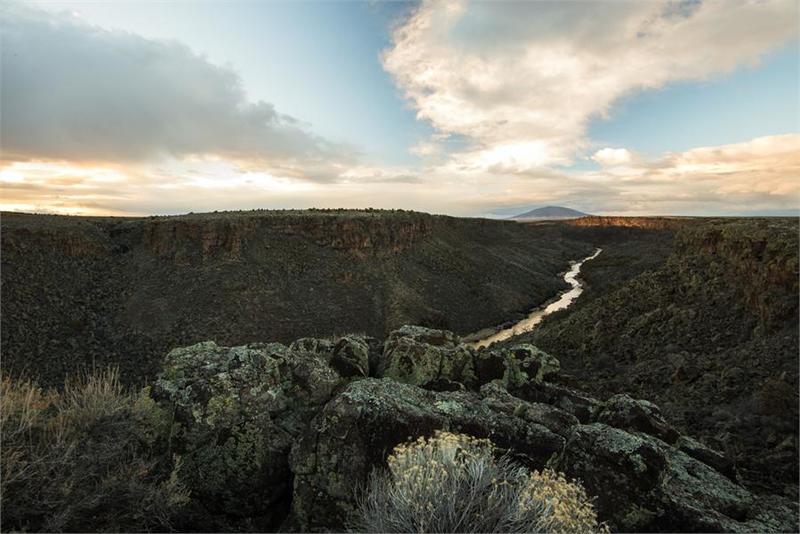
{"points": [[684, 336], [83, 292]]}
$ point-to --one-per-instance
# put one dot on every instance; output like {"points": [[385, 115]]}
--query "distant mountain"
{"points": [[549, 212]]}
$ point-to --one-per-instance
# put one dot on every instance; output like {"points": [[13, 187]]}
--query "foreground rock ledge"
{"points": [[305, 424]]}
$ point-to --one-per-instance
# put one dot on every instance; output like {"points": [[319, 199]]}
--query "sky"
{"points": [[466, 108]]}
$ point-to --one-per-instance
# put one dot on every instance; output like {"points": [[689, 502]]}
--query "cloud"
{"points": [[758, 176], [612, 157], [523, 81], [75, 92], [102, 122], [768, 167]]}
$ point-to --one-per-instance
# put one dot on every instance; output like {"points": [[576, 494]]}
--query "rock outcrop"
{"points": [[624, 412], [647, 223], [357, 430], [422, 356], [237, 411], [265, 427]]}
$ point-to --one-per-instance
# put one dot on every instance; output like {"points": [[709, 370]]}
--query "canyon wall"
{"points": [[81, 292]]}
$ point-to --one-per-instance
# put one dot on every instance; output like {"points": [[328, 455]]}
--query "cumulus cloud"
{"points": [[612, 157], [76, 92], [522, 82]]}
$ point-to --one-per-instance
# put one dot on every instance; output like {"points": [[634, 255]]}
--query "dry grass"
{"points": [[84, 459], [454, 483]]}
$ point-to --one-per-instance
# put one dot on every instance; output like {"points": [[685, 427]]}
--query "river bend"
{"points": [[535, 317]]}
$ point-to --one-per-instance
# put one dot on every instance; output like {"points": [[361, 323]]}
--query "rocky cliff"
{"points": [[710, 334], [646, 223], [80, 292], [283, 435]]}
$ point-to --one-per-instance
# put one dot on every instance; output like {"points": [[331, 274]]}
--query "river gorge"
{"points": [[535, 317]]}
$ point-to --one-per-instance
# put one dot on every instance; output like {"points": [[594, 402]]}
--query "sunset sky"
{"points": [[466, 108]]}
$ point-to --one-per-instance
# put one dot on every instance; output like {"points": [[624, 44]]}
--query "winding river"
{"points": [[535, 317]]}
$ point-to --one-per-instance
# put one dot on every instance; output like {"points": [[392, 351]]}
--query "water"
{"points": [[535, 317]]}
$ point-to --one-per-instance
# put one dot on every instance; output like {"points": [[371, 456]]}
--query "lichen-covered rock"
{"points": [[567, 399], [623, 411], [358, 429], [515, 366], [423, 334], [529, 363], [351, 357], [499, 399], [321, 347], [616, 467], [417, 355], [237, 411], [643, 484], [261, 427], [707, 455]]}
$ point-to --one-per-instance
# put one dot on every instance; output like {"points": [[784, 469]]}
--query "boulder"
{"points": [[321, 347], [262, 427], [358, 429], [499, 399], [627, 413], [515, 366], [642, 484], [418, 355], [351, 357], [707, 455], [237, 411], [567, 399], [529, 363], [428, 336]]}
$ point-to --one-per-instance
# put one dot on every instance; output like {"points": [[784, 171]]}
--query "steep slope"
{"points": [[710, 335], [79, 292]]}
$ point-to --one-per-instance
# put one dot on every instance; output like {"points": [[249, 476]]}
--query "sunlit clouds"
{"points": [[522, 80], [100, 121]]}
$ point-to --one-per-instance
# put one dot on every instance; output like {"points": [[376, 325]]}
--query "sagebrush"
{"points": [[88, 458], [454, 483]]}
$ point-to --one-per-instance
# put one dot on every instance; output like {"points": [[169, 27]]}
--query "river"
{"points": [[535, 317]]}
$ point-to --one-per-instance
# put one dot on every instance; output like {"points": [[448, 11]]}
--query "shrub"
{"points": [[454, 483], [85, 458]]}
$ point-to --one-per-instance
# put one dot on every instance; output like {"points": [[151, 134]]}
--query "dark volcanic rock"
{"points": [[418, 355], [624, 412], [359, 428], [707, 455], [237, 412], [527, 363], [642, 484], [262, 427], [499, 399], [570, 400], [321, 347], [351, 356]]}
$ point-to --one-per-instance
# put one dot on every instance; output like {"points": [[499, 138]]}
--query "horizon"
{"points": [[458, 108], [783, 215]]}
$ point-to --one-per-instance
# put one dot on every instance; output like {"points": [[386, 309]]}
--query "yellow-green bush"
{"points": [[454, 483], [85, 459]]}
